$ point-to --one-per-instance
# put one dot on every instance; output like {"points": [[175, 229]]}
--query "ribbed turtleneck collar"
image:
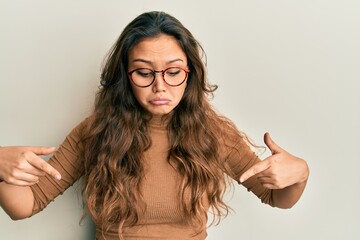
{"points": [[159, 122]]}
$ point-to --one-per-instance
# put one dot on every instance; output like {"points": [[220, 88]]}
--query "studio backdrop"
{"points": [[288, 67]]}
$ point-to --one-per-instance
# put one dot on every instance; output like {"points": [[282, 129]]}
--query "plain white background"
{"points": [[288, 67]]}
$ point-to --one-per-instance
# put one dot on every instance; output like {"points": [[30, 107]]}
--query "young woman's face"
{"points": [[158, 53]]}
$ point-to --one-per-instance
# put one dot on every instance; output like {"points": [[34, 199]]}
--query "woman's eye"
{"points": [[173, 72], [144, 73]]}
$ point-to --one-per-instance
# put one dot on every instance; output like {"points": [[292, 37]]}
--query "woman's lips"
{"points": [[160, 101]]}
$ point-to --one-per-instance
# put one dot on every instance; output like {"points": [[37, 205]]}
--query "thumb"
{"points": [[41, 150], [274, 148]]}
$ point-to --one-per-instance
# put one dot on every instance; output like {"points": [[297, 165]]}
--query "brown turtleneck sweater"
{"points": [[160, 188]]}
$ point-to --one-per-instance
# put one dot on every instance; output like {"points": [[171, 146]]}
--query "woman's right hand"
{"points": [[22, 166]]}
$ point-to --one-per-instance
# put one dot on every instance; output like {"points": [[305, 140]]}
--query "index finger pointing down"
{"points": [[41, 164], [255, 169]]}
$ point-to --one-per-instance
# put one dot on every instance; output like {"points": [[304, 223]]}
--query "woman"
{"points": [[154, 156]]}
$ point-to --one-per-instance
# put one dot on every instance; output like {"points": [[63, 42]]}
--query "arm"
{"points": [[283, 173], [39, 182], [288, 196], [17, 201], [21, 167]]}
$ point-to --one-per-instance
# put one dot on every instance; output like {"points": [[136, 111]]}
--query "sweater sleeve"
{"points": [[240, 158], [67, 161]]}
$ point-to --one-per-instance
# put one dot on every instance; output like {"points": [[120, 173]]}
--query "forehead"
{"points": [[159, 48]]}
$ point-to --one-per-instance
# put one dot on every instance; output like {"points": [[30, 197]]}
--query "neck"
{"points": [[160, 121]]}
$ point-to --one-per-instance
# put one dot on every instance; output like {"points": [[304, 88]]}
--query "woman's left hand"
{"points": [[279, 170]]}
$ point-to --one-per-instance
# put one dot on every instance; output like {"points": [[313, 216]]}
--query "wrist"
{"points": [[306, 173], [0, 178]]}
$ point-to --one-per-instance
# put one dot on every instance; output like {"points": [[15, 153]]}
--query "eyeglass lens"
{"points": [[173, 76]]}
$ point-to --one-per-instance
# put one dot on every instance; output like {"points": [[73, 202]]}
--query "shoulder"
{"points": [[81, 128], [227, 131], [231, 139]]}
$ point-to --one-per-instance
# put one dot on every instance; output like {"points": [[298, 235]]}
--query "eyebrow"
{"points": [[149, 62]]}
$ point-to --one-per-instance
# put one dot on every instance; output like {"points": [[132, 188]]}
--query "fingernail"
{"points": [[58, 176]]}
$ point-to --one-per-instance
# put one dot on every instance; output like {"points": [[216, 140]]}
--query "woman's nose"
{"points": [[159, 84]]}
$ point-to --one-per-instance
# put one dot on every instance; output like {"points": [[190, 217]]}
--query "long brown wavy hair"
{"points": [[117, 135]]}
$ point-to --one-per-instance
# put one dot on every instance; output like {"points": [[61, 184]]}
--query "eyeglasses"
{"points": [[144, 77]]}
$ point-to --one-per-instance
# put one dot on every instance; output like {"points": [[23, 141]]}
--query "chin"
{"points": [[160, 112]]}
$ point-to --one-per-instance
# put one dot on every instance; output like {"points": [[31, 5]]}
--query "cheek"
{"points": [[180, 94], [138, 94], [183, 89]]}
